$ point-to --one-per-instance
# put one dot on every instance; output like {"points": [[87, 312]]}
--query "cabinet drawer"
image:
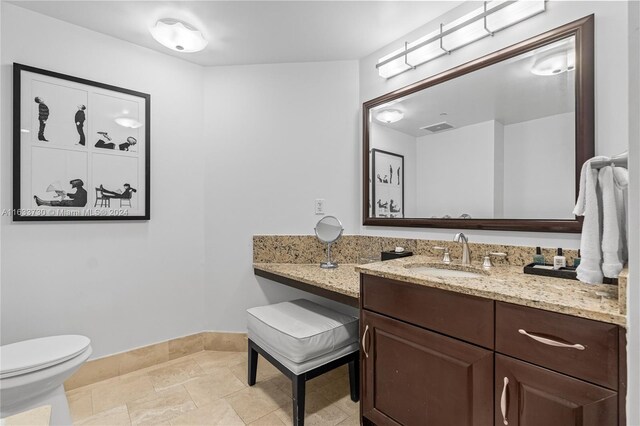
{"points": [[582, 348], [464, 317]]}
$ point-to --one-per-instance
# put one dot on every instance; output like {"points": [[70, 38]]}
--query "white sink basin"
{"points": [[443, 273]]}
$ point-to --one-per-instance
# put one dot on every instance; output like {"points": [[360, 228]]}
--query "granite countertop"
{"points": [[509, 284], [504, 283], [344, 279]]}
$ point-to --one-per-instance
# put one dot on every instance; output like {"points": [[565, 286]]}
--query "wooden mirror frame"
{"points": [[583, 30]]}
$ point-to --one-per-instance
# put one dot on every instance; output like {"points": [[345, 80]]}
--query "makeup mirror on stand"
{"points": [[329, 230]]}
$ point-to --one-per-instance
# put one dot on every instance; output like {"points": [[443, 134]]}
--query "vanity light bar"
{"points": [[494, 16]]}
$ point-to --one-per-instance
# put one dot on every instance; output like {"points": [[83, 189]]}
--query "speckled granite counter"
{"points": [[509, 284], [503, 283], [341, 284]]}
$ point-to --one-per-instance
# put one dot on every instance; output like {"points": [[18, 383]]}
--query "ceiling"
{"points": [[256, 32], [507, 92]]}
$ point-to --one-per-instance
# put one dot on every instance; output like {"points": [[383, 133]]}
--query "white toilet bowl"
{"points": [[32, 374]]}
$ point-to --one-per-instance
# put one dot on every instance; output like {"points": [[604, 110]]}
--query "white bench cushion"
{"points": [[301, 330]]}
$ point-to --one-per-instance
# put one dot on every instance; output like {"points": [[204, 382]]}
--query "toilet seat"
{"points": [[37, 354]]}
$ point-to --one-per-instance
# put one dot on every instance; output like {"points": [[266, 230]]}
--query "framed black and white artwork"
{"points": [[387, 175], [81, 149]]}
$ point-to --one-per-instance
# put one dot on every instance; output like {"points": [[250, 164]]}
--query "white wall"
{"points": [[122, 284], [276, 138], [391, 140], [539, 177], [611, 29], [456, 172]]}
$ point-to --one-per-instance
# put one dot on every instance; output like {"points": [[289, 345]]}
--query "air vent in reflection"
{"points": [[438, 127]]}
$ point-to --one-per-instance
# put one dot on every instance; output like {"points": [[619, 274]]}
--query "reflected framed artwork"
{"points": [[388, 184], [81, 149]]}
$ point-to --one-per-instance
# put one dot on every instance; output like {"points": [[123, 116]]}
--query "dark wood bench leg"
{"points": [[354, 379], [252, 369], [298, 385]]}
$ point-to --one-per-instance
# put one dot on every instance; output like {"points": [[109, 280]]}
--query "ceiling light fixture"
{"points": [[555, 63], [485, 21], [178, 35], [128, 122], [390, 115]]}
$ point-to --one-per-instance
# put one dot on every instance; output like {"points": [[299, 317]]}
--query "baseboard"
{"points": [[118, 364]]}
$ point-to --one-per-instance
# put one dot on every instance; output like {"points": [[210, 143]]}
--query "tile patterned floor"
{"points": [[210, 388]]}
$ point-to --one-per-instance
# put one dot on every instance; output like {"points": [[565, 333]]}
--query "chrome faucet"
{"points": [[466, 257]]}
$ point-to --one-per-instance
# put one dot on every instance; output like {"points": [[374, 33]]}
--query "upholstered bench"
{"points": [[303, 340]]}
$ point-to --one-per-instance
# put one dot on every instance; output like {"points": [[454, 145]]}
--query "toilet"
{"points": [[32, 373]]}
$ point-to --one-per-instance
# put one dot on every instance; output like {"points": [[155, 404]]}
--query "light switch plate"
{"points": [[319, 206]]}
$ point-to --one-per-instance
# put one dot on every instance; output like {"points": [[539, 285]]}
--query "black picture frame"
{"points": [[383, 185], [121, 151]]}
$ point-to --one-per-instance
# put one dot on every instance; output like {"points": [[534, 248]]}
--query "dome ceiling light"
{"points": [[389, 116], [178, 35]]}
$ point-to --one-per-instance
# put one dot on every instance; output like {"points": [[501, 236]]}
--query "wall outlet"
{"points": [[319, 205]]}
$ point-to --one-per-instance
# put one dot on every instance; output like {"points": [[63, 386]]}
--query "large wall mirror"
{"points": [[496, 143]]}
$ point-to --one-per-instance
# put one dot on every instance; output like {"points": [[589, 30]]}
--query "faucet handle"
{"points": [[446, 258], [486, 264]]}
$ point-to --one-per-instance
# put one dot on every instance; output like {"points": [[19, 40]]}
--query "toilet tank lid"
{"points": [[37, 354]]}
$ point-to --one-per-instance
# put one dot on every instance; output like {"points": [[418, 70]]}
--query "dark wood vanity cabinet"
{"points": [[414, 376], [428, 358]]}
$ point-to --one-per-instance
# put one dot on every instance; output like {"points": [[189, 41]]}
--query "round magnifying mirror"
{"points": [[329, 230]]}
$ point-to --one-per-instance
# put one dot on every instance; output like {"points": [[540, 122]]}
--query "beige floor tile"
{"points": [[217, 413], [160, 406], [318, 411], [118, 392], [270, 419], [217, 383], [257, 401], [350, 421], [282, 382], [339, 393], [80, 404], [213, 360], [265, 371], [117, 416], [174, 374]]}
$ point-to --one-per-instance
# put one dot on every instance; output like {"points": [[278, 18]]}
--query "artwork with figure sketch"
{"points": [[116, 177], [61, 186], [81, 149], [110, 134], [65, 199], [55, 114], [387, 171]]}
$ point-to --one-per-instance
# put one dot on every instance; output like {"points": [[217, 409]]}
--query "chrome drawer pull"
{"points": [[503, 402], [552, 342], [364, 336]]}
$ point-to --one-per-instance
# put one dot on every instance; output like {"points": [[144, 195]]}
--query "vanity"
{"points": [[437, 350], [493, 144]]}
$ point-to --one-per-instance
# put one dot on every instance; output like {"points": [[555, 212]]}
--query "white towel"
{"points": [[588, 205], [621, 181], [590, 269], [611, 205]]}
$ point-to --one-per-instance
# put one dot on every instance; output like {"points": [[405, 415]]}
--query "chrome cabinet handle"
{"points": [[503, 402], [551, 342], [364, 336]]}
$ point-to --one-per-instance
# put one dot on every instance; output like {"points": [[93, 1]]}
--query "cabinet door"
{"points": [[527, 395], [413, 376]]}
